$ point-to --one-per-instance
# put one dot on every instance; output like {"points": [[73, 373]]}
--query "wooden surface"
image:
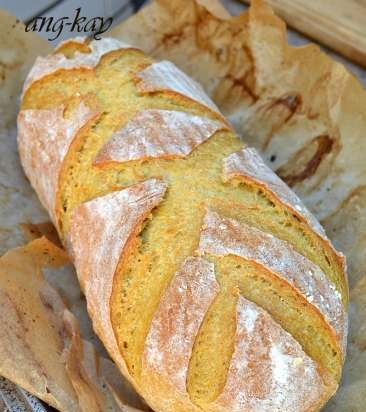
{"points": [[338, 24]]}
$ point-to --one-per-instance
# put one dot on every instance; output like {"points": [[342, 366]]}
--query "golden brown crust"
{"points": [[45, 66], [222, 236], [249, 166], [44, 138], [115, 218], [157, 134], [269, 372], [307, 124], [173, 331], [99, 238], [165, 77]]}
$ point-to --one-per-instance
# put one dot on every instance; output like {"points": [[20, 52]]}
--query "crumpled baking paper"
{"points": [[304, 112], [41, 348]]}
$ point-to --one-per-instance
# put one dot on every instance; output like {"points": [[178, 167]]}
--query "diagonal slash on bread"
{"points": [[189, 250]]}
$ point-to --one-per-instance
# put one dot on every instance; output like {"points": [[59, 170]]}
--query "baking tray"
{"points": [[15, 399]]}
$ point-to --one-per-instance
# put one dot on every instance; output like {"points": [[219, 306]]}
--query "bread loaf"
{"points": [[210, 284]]}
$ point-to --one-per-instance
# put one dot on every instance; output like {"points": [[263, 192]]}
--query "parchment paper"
{"points": [[43, 346], [304, 111]]}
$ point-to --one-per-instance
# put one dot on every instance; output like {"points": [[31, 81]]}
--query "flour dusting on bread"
{"points": [[44, 66], [114, 217], [173, 332], [223, 236], [219, 317], [248, 163], [158, 134], [44, 138], [165, 76], [265, 373]]}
